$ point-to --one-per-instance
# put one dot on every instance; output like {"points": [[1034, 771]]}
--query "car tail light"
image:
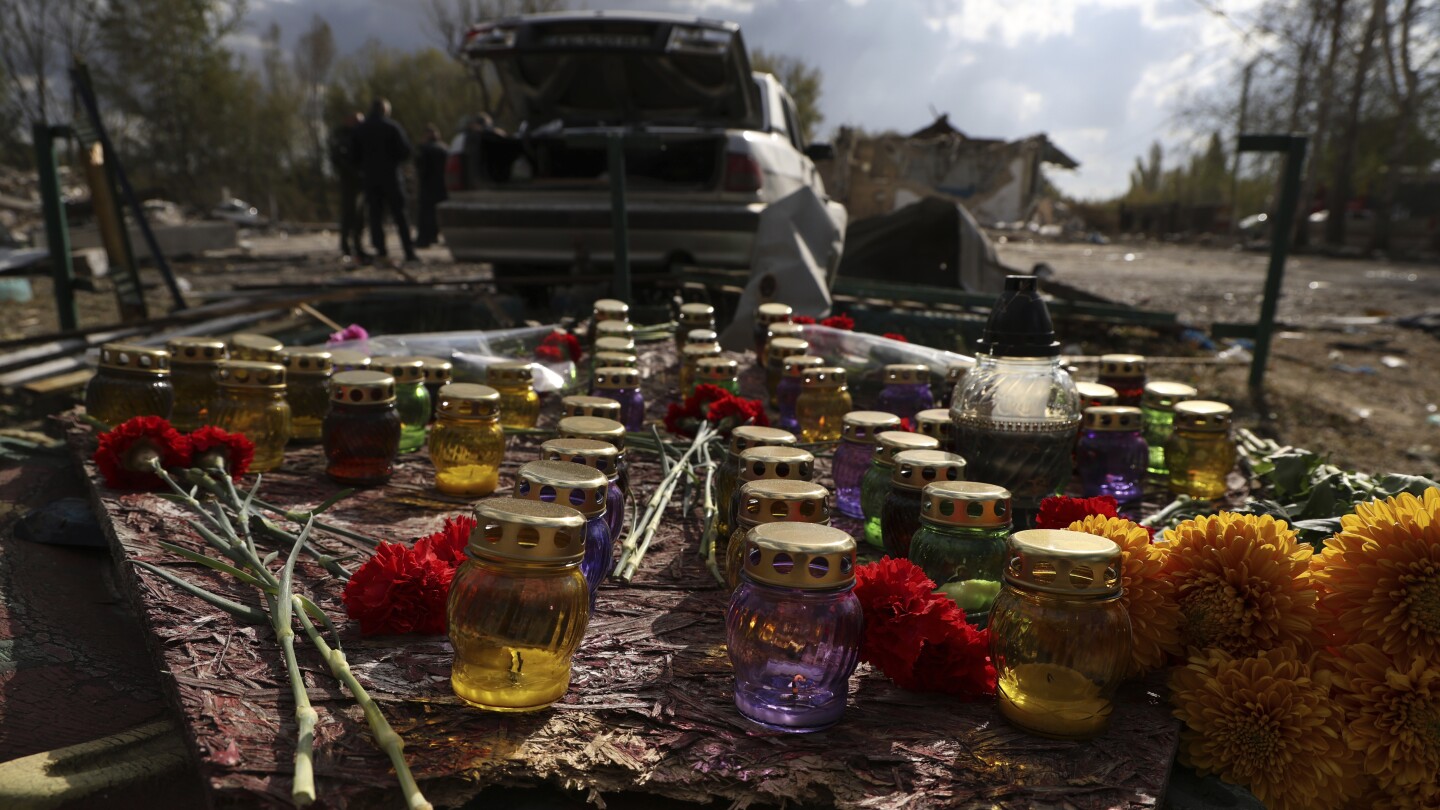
{"points": [[742, 173], [455, 172]]}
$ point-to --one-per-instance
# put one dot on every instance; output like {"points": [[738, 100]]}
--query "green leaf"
{"points": [[1395, 483], [1323, 502], [331, 501], [217, 565], [1291, 476]]}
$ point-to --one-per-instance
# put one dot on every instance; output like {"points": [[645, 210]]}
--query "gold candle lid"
{"points": [[784, 329], [580, 405], [362, 388], [717, 369], [907, 374], [913, 469], [1063, 562], [1202, 415], [965, 503], [1096, 394], [614, 343], [769, 463], [517, 529], [349, 360], [598, 455], [701, 336], [773, 313], [695, 352], [250, 374], [196, 351], [564, 482], [697, 314], [593, 427], [823, 377], [861, 427], [935, 422], [436, 370], [136, 359], [1163, 395], [611, 309], [1111, 418], [405, 370], [795, 366], [616, 359], [800, 555], [890, 442], [510, 374], [781, 501], [1124, 366], [611, 378], [300, 362], [613, 328], [780, 348], [467, 401], [259, 348], [745, 437]]}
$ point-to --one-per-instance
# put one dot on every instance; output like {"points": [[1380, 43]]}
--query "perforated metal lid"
{"points": [[745, 437], [259, 348], [786, 329], [716, 369], [349, 360], [907, 373], [611, 309], [697, 314], [890, 442], [1122, 366], [1202, 415], [510, 374], [196, 351], [1112, 418], [614, 328], [405, 370], [913, 469], [362, 388], [250, 374], [518, 529], [823, 377], [695, 352], [1064, 563], [701, 336], [862, 427], [577, 405], [795, 366], [1092, 393], [300, 362], [593, 427], [616, 359], [564, 482], [601, 456], [436, 370], [773, 313], [612, 343], [612, 378], [136, 359], [935, 422], [965, 503], [467, 401], [780, 348], [777, 501], [1163, 395], [807, 556], [764, 463]]}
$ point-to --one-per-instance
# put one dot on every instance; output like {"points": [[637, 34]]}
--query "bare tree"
{"points": [[1343, 175], [1403, 85], [37, 40], [446, 21], [314, 59]]}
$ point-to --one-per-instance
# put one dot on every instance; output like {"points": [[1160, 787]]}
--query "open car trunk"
{"points": [[669, 161]]}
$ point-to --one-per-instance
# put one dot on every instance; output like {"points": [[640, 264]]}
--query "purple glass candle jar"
{"points": [[582, 488], [787, 391], [794, 626], [601, 457], [1112, 454], [852, 458], [907, 390], [622, 385]]}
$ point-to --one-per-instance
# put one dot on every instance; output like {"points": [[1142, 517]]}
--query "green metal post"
{"points": [[57, 232], [619, 220], [1293, 147]]}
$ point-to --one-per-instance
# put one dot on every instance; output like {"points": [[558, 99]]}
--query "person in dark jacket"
{"points": [[430, 170], [351, 221], [380, 148]]}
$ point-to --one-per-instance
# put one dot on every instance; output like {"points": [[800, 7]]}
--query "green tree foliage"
{"points": [[802, 80], [424, 87]]}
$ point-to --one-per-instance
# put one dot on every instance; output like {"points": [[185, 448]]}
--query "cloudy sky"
{"points": [[1102, 77]]}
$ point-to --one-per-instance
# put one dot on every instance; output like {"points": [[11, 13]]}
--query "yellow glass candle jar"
{"points": [[1200, 454], [251, 400], [776, 352], [255, 348], [518, 605], [131, 381], [742, 438], [690, 357], [580, 405], [693, 317], [765, 315], [823, 402], [772, 501], [787, 393], [412, 401], [467, 444], [349, 360], [519, 404], [193, 361], [1059, 637], [307, 389]]}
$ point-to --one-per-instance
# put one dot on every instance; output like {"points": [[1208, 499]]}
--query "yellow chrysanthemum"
{"points": [[1380, 576], [1265, 723], [1242, 583], [1392, 716], [1149, 599]]}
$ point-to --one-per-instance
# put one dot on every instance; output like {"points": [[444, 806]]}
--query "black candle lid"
{"points": [[1019, 324]]}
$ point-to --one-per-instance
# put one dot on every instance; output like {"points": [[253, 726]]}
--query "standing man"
{"points": [[430, 171], [341, 141], [380, 149]]}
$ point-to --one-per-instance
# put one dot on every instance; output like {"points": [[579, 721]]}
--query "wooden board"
{"points": [[649, 709]]}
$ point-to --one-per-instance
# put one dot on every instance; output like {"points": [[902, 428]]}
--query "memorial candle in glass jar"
{"points": [[771, 463], [438, 374], [961, 543], [742, 438], [600, 429], [772, 501], [622, 385], [1201, 453], [787, 391], [579, 487], [783, 329], [690, 357], [581, 405], [625, 359], [251, 400], [1126, 374], [911, 471], [361, 431], [776, 351], [1111, 455], [349, 360], [1157, 412], [602, 457], [307, 389], [255, 348], [823, 402], [693, 316], [906, 391], [193, 362], [131, 381], [467, 443], [794, 626], [412, 401], [935, 423], [721, 372], [519, 404], [765, 315], [875, 485], [852, 458]]}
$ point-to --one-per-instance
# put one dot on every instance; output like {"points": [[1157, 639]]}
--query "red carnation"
{"points": [[729, 412], [400, 590], [214, 449], [896, 336], [684, 419], [803, 320], [1059, 513], [841, 321], [449, 543], [126, 452], [557, 345]]}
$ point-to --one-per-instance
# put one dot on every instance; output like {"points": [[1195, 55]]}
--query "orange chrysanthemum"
{"points": [[1392, 716], [1263, 722], [1380, 576], [1242, 583], [1149, 598]]}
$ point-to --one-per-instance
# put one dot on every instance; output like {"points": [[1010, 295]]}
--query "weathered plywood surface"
{"points": [[649, 708]]}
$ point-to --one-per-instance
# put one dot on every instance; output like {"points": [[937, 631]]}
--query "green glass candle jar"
{"points": [[519, 404], [1201, 453], [193, 361], [720, 372], [823, 402], [1157, 412], [875, 485], [964, 526], [255, 348], [307, 389], [467, 444], [776, 352], [412, 401], [251, 400], [742, 438]]}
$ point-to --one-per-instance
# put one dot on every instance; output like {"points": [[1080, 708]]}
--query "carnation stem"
{"points": [[385, 736], [636, 544], [303, 788], [708, 540]]}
